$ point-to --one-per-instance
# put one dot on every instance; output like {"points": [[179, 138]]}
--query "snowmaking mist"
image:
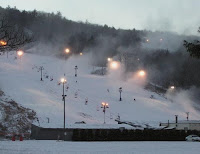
{"points": [[118, 76], [45, 97]]}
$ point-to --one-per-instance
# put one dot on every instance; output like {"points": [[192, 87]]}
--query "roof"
{"points": [[89, 126], [183, 122], [170, 128]]}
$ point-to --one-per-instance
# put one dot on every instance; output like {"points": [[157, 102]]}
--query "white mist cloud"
{"points": [[184, 102]]}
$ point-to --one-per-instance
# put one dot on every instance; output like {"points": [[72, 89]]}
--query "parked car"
{"points": [[192, 138]]}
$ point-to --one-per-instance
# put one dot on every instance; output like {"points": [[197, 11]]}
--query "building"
{"points": [[182, 125]]}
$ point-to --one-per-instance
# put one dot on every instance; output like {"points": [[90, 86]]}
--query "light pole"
{"points": [[176, 120], [67, 51], [104, 106], [63, 81], [120, 91], [76, 68], [41, 68]]}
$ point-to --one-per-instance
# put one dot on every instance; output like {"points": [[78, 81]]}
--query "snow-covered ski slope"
{"points": [[20, 79]]}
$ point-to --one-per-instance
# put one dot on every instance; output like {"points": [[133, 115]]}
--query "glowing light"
{"points": [[67, 50], [104, 104], [20, 53], [141, 73], [3, 43], [109, 59], [147, 40], [81, 53], [161, 39], [172, 87], [63, 80], [114, 65]]}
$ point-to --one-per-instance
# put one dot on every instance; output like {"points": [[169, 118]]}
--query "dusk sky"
{"points": [[182, 16]]}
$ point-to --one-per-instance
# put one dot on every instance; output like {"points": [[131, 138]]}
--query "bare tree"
{"points": [[12, 36]]}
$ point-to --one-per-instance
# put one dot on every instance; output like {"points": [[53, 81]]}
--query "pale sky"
{"points": [[181, 16]]}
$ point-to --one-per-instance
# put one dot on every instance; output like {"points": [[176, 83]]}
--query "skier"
{"points": [[118, 117], [67, 87], [86, 101], [76, 94], [151, 96]]}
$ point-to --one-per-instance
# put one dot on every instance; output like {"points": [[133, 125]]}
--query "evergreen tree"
{"points": [[193, 48]]}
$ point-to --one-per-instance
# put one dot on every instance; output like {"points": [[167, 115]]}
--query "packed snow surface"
{"points": [[20, 79], [62, 147]]}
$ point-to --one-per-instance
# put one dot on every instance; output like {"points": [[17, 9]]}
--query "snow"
{"points": [[94, 126], [20, 80], [51, 147]]}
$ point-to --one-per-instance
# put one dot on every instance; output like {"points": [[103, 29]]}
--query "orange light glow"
{"points": [[63, 80], [104, 104], [20, 53], [81, 53], [3, 43], [67, 50], [141, 73]]}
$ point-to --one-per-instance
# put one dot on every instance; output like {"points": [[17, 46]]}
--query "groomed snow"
{"points": [[63, 147], [20, 80]]}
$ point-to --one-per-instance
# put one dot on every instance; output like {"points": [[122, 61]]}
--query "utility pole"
{"points": [[187, 113], [120, 91], [176, 120], [41, 68]]}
